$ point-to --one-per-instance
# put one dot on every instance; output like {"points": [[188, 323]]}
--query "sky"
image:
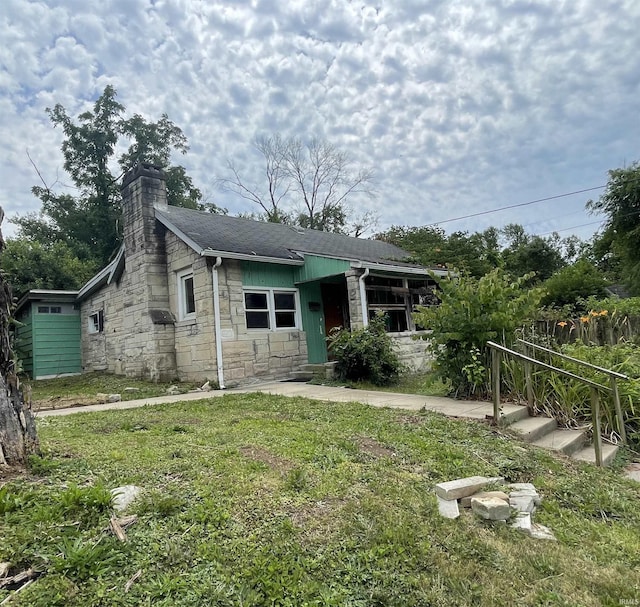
{"points": [[458, 107]]}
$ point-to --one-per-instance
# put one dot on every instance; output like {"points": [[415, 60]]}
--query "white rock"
{"points": [[172, 390], [540, 532], [448, 508], [522, 521], [124, 496], [131, 389], [114, 398], [462, 487], [491, 508], [522, 503], [465, 502]]}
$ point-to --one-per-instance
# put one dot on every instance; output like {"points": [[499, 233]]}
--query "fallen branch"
{"points": [[17, 579], [16, 592], [117, 529], [132, 579]]}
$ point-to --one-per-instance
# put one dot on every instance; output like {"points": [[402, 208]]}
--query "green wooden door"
{"points": [[313, 322]]}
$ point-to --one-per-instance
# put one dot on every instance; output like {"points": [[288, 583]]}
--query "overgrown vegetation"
{"points": [[472, 312], [262, 500], [365, 354]]}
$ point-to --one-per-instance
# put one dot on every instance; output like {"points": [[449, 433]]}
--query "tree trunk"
{"points": [[18, 437]]}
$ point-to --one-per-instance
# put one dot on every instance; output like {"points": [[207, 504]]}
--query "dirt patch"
{"points": [[317, 513], [411, 420], [260, 454], [373, 447], [64, 402]]}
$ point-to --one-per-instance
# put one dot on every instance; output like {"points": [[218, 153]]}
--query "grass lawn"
{"points": [[266, 500], [82, 389]]}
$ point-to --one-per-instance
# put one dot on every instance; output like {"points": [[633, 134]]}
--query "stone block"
{"points": [[491, 508], [448, 508], [465, 502], [522, 521], [522, 503], [462, 487]]}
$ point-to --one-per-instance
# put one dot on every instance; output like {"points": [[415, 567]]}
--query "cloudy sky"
{"points": [[459, 106]]}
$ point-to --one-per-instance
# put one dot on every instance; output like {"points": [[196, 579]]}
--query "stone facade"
{"points": [[132, 344], [413, 353]]}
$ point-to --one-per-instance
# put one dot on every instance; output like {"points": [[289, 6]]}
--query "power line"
{"points": [[524, 204], [521, 204]]}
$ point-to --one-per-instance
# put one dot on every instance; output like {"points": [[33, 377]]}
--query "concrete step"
{"points": [[513, 413], [588, 454], [565, 441], [533, 428], [314, 368], [300, 376]]}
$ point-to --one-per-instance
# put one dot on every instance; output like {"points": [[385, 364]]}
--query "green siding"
{"points": [[24, 342], [313, 323], [56, 344], [319, 267], [256, 274]]}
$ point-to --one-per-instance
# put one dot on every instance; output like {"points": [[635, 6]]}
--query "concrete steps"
{"points": [[308, 371], [544, 432]]}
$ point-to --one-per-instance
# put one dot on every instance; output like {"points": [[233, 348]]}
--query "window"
{"points": [[271, 309], [96, 322], [398, 298], [186, 296], [55, 310], [43, 309]]}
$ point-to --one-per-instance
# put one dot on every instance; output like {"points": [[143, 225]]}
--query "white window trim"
{"points": [[93, 322], [271, 307], [181, 277]]}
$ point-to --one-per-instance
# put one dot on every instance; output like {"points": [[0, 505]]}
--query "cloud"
{"points": [[457, 106]]}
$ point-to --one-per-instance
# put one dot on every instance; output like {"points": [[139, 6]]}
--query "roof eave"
{"points": [[249, 257]]}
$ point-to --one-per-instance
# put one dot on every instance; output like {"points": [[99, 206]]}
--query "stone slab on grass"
{"points": [[463, 487], [522, 521], [540, 532], [124, 496], [448, 508], [491, 508], [522, 503], [465, 502]]}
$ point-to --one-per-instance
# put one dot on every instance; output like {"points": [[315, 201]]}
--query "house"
{"points": [[47, 333], [197, 295]]}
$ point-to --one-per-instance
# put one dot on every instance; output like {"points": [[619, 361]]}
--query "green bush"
{"points": [[365, 354], [472, 312]]}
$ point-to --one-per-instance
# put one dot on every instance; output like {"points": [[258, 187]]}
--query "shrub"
{"points": [[472, 312], [365, 354]]}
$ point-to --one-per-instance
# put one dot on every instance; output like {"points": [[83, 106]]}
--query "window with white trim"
{"points": [[271, 309], [96, 322], [186, 295]]}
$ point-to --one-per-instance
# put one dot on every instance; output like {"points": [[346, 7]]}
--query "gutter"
{"points": [[216, 321], [363, 298]]}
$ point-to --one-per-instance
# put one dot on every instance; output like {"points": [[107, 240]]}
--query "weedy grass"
{"points": [[267, 500], [82, 389]]}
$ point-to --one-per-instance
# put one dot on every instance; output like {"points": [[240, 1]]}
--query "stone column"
{"points": [[148, 329], [353, 295]]}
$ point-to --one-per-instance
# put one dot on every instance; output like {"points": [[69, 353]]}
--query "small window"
{"points": [[55, 310], [256, 310], [96, 322], [43, 309], [186, 295], [271, 309]]}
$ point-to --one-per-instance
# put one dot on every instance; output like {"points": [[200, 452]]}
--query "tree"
{"points": [[18, 437], [473, 311], [307, 184], [474, 254], [573, 284], [526, 254], [33, 265], [89, 222], [617, 245]]}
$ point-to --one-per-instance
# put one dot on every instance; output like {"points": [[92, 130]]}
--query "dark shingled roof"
{"points": [[262, 239]]}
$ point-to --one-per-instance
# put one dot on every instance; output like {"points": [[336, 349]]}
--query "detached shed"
{"points": [[48, 333]]}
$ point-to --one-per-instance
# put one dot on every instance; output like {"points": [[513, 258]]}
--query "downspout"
{"points": [[363, 298], [216, 321]]}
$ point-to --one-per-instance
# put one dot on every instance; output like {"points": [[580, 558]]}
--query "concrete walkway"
{"points": [[410, 402]]}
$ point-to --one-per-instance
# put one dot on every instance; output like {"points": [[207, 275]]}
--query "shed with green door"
{"points": [[47, 333]]}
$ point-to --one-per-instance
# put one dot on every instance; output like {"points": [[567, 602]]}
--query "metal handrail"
{"points": [[497, 350], [613, 380], [574, 360]]}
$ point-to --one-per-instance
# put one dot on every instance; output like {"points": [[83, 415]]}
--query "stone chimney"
{"points": [[149, 336]]}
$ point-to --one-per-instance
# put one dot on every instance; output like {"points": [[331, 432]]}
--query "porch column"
{"points": [[353, 296]]}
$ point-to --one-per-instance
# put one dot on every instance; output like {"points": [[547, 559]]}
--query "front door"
{"points": [[335, 306]]}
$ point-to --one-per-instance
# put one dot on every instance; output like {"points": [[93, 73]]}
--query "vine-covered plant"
{"points": [[365, 354], [472, 312]]}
